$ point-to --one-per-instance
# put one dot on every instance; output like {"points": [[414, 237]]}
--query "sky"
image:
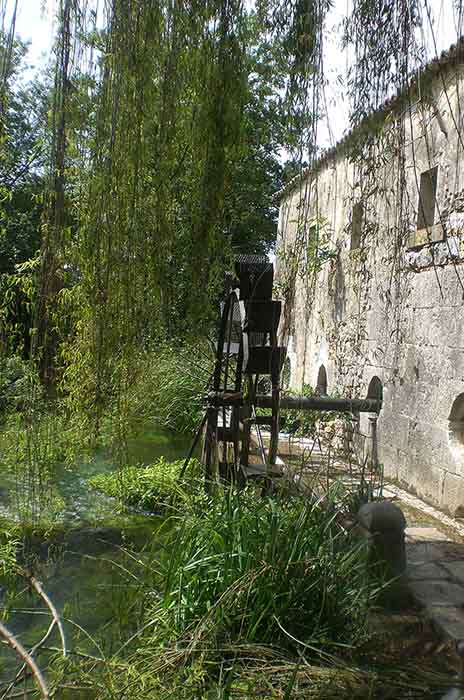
{"points": [[35, 24]]}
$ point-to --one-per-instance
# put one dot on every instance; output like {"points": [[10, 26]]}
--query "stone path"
{"points": [[435, 554], [436, 577]]}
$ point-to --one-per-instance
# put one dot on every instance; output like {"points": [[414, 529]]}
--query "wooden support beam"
{"points": [[299, 403]]}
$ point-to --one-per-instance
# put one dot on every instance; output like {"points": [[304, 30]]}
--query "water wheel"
{"points": [[248, 361]]}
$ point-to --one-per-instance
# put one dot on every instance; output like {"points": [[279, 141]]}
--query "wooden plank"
{"points": [[262, 316], [265, 360], [274, 441], [209, 450]]}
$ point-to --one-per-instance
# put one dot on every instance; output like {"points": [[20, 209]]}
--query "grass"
{"points": [[172, 385], [251, 598], [234, 590], [264, 571], [241, 597], [149, 487]]}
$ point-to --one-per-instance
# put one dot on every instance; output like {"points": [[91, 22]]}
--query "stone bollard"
{"points": [[383, 524]]}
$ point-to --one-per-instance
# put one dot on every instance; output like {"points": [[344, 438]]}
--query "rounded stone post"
{"points": [[383, 524]]}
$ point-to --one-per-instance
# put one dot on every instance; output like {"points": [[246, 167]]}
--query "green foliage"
{"points": [[22, 154], [251, 209], [171, 385], [149, 487], [263, 571], [14, 384], [33, 442], [9, 546], [301, 423]]}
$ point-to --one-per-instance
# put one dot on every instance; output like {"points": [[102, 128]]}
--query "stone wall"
{"points": [[369, 290]]}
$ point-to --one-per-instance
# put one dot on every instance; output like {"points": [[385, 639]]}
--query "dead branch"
{"points": [[26, 658], [18, 677], [56, 618]]}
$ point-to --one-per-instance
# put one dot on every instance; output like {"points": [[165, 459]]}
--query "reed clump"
{"points": [[266, 571]]}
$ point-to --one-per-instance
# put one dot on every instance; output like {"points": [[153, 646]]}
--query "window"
{"points": [[321, 385], [427, 194], [375, 389], [456, 428], [356, 225]]}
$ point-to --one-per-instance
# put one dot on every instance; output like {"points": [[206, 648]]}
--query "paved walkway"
{"points": [[434, 547], [435, 554]]}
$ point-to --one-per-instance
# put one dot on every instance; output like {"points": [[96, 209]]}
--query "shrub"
{"points": [[148, 487]]}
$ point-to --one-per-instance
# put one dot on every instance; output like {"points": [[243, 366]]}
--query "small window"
{"points": [[427, 195], [456, 429], [375, 390], [356, 225], [321, 385]]}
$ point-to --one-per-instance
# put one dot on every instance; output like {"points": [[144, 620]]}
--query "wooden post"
{"points": [[209, 457]]}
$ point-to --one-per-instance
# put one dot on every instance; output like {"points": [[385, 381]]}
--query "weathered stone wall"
{"points": [[392, 307]]}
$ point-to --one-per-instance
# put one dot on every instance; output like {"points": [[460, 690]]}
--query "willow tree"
{"points": [[148, 127], [146, 121]]}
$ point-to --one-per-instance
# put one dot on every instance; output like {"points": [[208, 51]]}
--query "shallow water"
{"points": [[81, 561]]}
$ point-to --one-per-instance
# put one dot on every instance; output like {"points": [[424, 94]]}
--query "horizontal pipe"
{"points": [[299, 403], [322, 403]]}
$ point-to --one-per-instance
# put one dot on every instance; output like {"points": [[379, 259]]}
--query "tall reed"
{"points": [[267, 571]]}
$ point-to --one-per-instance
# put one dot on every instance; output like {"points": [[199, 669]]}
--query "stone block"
{"points": [[449, 620], [425, 479], [426, 535], [426, 571], [437, 594], [423, 236], [423, 552], [456, 569], [393, 430], [452, 496]]}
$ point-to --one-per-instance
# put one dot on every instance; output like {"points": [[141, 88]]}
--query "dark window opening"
{"points": [[321, 386], [427, 196], [375, 389], [456, 422], [356, 225]]}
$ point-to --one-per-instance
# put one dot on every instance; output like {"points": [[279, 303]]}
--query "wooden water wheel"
{"points": [[247, 357]]}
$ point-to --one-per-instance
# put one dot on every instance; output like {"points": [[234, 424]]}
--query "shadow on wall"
{"points": [[339, 292], [456, 428]]}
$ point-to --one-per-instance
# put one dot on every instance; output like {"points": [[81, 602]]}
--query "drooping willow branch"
{"points": [[6, 54]]}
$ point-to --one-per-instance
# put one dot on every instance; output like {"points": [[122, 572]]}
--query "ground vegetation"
{"points": [[129, 179]]}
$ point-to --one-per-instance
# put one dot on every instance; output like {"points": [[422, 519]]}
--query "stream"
{"points": [[81, 563]]}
